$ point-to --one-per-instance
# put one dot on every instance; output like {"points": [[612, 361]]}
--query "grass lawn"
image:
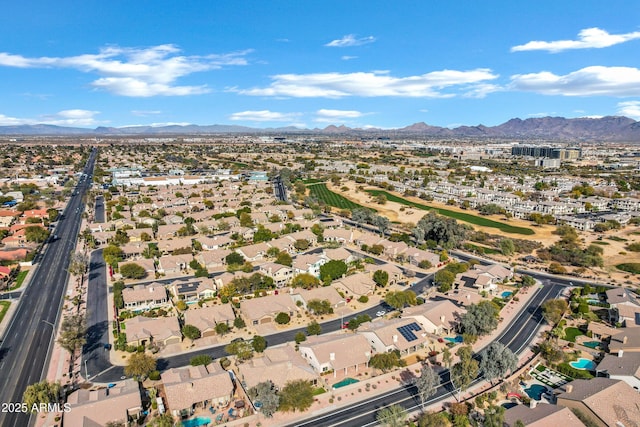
{"points": [[321, 192], [629, 267], [481, 249], [19, 280], [4, 307], [312, 180], [572, 333], [465, 217], [318, 390]]}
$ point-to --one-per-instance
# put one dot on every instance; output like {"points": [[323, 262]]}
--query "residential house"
{"points": [[121, 403], [621, 366], [279, 365], [484, 278], [265, 309], [196, 387], [304, 235], [416, 256], [339, 235], [284, 244], [206, 318], [348, 353], [173, 264], [339, 254], [323, 293], [281, 274], [625, 341], [194, 289], [541, 416], [136, 249], [607, 402], [147, 264], [170, 245], [213, 259], [436, 317], [624, 306], [215, 242], [393, 271], [309, 264], [404, 335], [254, 252], [162, 331], [356, 285], [145, 297]]}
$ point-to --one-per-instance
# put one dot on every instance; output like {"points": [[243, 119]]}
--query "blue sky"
{"points": [[313, 63]]}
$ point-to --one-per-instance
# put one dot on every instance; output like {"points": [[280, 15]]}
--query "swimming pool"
{"points": [[456, 340], [199, 421], [345, 382], [591, 344], [535, 391], [506, 294], [583, 364], [509, 405]]}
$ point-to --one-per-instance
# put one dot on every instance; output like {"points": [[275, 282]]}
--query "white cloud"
{"points": [[630, 109], [263, 116], [350, 40], [330, 116], [76, 117], [587, 38], [348, 57], [373, 84], [135, 72], [589, 81], [145, 113]]}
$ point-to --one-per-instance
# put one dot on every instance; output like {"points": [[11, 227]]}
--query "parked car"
{"points": [[381, 313]]}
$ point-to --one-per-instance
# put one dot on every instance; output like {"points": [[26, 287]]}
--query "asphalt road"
{"points": [[25, 350], [99, 209], [517, 336]]}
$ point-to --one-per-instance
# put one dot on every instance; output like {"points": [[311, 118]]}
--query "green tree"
{"points": [[162, 420], [282, 318], [427, 384], [265, 393], [494, 416], [73, 333], [333, 269], [319, 307], [301, 245], [381, 278], [296, 395], [139, 366], [191, 332], [314, 328], [305, 281], [43, 392], [400, 299], [528, 281], [392, 416], [386, 361], [480, 319], [444, 280], [284, 259], [434, 419], [53, 214], [507, 247], [553, 310], [181, 305], [200, 359], [245, 220], [112, 255], [496, 361], [35, 233], [132, 270], [465, 371], [300, 337], [243, 350], [447, 358], [222, 328], [258, 343], [234, 258], [239, 323]]}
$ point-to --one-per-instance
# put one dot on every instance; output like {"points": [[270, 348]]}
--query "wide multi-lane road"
{"points": [[27, 343]]}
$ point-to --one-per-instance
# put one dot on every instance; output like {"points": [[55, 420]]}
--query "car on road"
{"points": [[381, 313], [345, 325]]}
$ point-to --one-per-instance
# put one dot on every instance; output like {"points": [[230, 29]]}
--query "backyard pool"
{"points": [[509, 405], [345, 382], [506, 294], [535, 391], [591, 344], [456, 340], [199, 421], [583, 364]]}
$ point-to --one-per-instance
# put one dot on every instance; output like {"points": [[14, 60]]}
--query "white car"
{"points": [[381, 313]]}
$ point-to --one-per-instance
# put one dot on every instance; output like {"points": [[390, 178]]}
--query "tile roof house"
{"points": [[627, 340], [339, 235], [625, 367], [91, 408], [606, 401], [194, 289], [196, 387], [265, 309], [357, 284], [142, 330], [279, 365], [541, 416], [206, 318], [168, 246], [345, 352], [145, 297], [415, 256], [215, 242], [213, 259], [404, 335], [309, 264], [339, 254], [173, 264], [281, 274], [625, 306], [394, 272], [484, 278], [254, 252], [436, 317]]}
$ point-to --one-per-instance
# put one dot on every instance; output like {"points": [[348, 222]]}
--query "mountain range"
{"points": [[609, 128]]}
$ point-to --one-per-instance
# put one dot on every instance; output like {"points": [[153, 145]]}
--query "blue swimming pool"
{"points": [[196, 422], [506, 294], [535, 391], [345, 382], [583, 364], [456, 340], [591, 344]]}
